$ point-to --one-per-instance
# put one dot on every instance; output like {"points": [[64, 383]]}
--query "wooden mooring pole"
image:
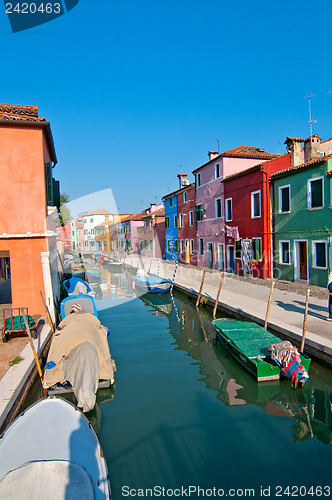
{"points": [[269, 304], [26, 321], [201, 288], [218, 294], [304, 329]]}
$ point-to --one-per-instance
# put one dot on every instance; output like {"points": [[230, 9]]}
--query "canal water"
{"points": [[184, 416], [184, 420]]}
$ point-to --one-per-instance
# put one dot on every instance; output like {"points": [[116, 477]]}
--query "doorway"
{"points": [[210, 255], [301, 262], [230, 259], [221, 260]]}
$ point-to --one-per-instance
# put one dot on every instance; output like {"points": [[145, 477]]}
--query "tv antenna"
{"points": [[311, 121]]}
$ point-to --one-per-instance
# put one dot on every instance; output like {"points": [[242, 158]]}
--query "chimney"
{"points": [[153, 207], [293, 145], [182, 180], [212, 155], [311, 148]]}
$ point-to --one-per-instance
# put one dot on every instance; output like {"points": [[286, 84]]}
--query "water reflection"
{"points": [[193, 332]]}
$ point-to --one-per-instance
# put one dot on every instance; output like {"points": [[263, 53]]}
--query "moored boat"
{"points": [[152, 284], [86, 301], [79, 359], [76, 285], [52, 451], [249, 344]]}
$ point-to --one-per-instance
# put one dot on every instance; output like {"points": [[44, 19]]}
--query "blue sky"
{"points": [[134, 89]]}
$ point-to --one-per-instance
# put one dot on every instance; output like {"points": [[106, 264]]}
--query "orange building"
{"points": [[29, 199]]}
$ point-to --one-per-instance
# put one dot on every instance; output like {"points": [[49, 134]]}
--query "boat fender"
{"points": [[108, 332], [49, 365]]}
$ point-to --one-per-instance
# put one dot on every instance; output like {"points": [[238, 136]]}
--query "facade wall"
{"points": [[252, 231], [23, 214], [26, 271], [171, 232], [211, 229], [303, 230], [187, 232], [22, 191]]}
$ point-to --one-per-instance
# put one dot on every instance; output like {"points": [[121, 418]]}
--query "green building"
{"points": [[302, 222]]}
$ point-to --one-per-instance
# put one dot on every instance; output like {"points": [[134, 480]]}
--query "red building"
{"points": [[187, 222], [248, 218]]}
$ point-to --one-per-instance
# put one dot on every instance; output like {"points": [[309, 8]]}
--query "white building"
{"points": [[90, 220]]}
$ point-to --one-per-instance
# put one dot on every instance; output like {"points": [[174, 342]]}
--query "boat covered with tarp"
{"points": [[52, 451], [251, 345], [79, 358]]}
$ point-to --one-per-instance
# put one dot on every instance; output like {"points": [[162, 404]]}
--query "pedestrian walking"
{"points": [[329, 287]]}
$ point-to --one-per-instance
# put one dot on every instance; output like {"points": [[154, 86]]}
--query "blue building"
{"points": [[171, 226]]}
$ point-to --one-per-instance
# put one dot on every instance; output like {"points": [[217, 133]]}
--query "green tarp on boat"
{"points": [[251, 339]]}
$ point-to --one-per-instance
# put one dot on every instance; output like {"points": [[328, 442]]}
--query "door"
{"points": [[210, 255], [303, 260], [221, 262], [187, 252], [246, 256], [230, 259]]}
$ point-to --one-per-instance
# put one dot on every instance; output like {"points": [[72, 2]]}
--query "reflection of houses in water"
{"points": [[311, 407]]}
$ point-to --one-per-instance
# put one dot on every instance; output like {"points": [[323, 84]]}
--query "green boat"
{"points": [[248, 343]]}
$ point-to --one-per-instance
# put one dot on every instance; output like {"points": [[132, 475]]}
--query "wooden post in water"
{"points": [[26, 321], [217, 299], [305, 320], [269, 304], [201, 288]]}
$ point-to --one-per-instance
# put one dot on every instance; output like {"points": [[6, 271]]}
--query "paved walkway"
{"points": [[249, 298]]}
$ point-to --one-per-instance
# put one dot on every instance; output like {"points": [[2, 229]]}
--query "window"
{"points": [[91, 220], [181, 220], [218, 208], [167, 222], [284, 199], [315, 193], [199, 212], [191, 218], [331, 192], [319, 258], [217, 171], [182, 246], [168, 246], [171, 202], [175, 220], [151, 245], [198, 179], [84, 221], [176, 245], [255, 204], [284, 253], [229, 209], [257, 249], [201, 246], [150, 225], [238, 249], [191, 247], [92, 231], [185, 196]]}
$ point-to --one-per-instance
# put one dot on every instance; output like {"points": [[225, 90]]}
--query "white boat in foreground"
{"points": [[51, 451]]}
